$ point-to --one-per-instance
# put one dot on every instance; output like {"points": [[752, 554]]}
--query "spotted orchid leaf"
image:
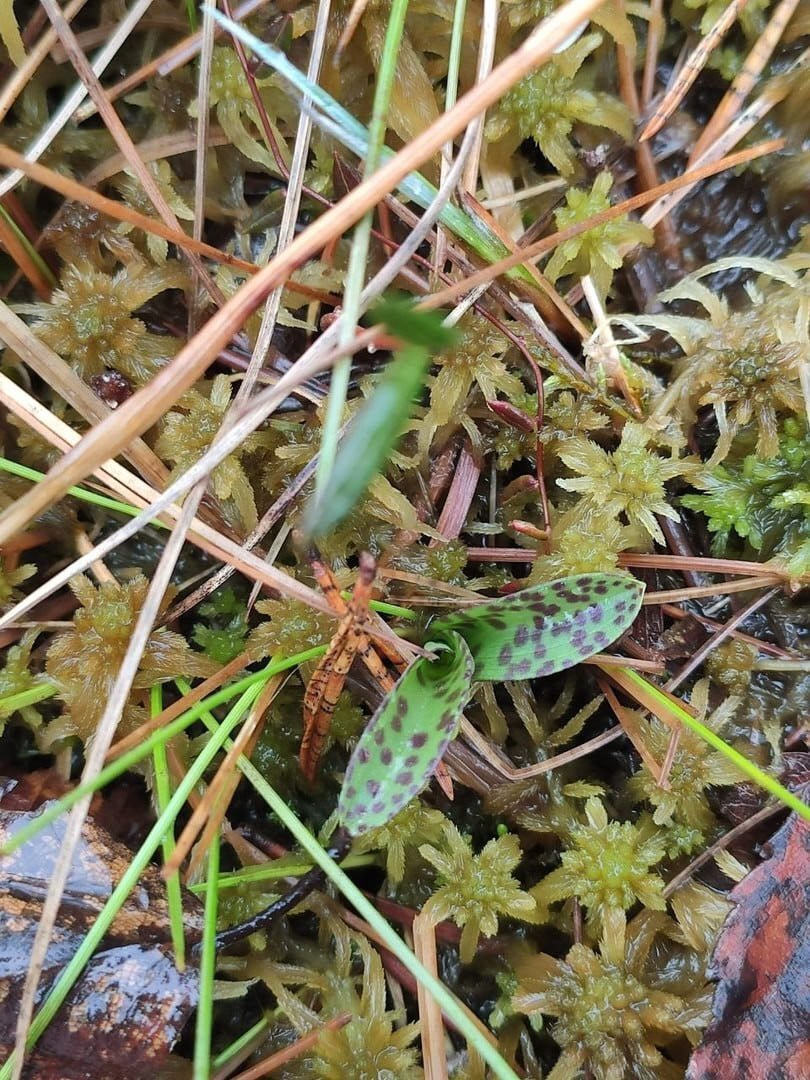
{"points": [[405, 739], [547, 628]]}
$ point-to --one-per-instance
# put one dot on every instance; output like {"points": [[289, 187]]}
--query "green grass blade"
{"points": [[288, 866], [358, 256], [129, 880], [236, 1047], [378, 425], [392, 941], [752, 771], [174, 897], [403, 743], [138, 753], [32, 696], [16, 469], [366, 445], [547, 628], [208, 965]]}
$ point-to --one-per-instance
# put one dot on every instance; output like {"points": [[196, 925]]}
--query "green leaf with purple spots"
{"points": [[547, 628], [405, 739]]}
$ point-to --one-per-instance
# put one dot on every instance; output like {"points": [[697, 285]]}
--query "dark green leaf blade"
{"points": [[378, 425], [405, 739], [548, 627]]}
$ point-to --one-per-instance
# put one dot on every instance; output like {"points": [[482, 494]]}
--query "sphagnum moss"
{"points": [[734, 396]]}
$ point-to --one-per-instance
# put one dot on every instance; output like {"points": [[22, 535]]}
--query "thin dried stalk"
{"points": [[746, 78], [532, 252], [80, 193], [146, 406], [692, 68], [95, 754], [212, 807], [294, 1050], [431, 1028], [722, 588]]}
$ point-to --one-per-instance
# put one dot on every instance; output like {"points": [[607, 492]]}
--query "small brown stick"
{"points": [[273, 514], [723, 842], [460, 496], [675, 612], [691, 69], [293, 1051], [505, 769], [211, 808], [720, 589], [393, 964], [655, 28], [746, 78], [21, 257], [434, 1057], [171, 712], [548, 291], [647, 171], [631, 730], [548, 243], [356, 13], [264, 119], [690, 562]]}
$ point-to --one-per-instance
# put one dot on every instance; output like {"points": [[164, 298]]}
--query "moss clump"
{"points": [[476, 359], [476, 889], [628, 483], [223, 634], [610, 1019], [607, 866], [589, 544], [186, 436], [291, 627], [84, 662], [745, 363], [10, 579], [695, 768], [730, 665], [596, 252], [766, 503], [416, 824], [16, 677], [90, 323], [546, 105], [235, 109]]}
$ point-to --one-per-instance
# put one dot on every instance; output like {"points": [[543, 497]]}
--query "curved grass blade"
{"points": [[340, 123], [406, 737], [378, 425], [547, 628]]}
